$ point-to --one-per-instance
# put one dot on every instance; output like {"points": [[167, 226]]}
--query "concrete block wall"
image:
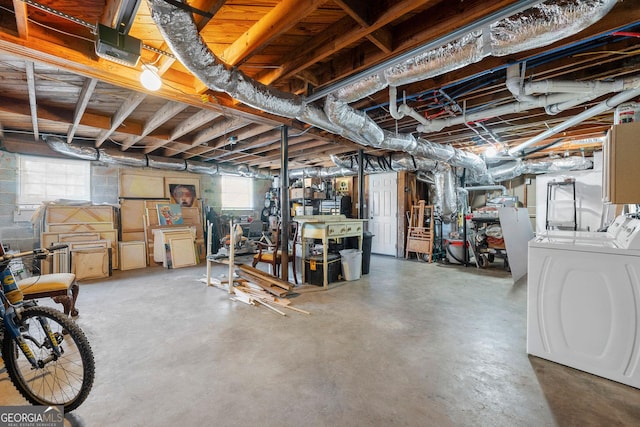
{"points": [[19, 233]]}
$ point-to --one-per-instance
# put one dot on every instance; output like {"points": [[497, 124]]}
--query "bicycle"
{"points": [[47, 356]]}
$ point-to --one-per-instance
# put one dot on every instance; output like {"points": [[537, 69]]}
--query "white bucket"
{"points": [[351, 263]]}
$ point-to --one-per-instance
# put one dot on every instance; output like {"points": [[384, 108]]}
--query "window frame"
{"points": [[226, 181], [51, 165]]}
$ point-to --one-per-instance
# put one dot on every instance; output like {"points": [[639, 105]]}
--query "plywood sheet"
{"points": [[132, 255], [131, 213], [136, 185], [90, 263], [79, 214], [79, 228], [181, 252]]}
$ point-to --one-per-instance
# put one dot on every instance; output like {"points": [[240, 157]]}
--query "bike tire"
{"points": [[65, 381]]}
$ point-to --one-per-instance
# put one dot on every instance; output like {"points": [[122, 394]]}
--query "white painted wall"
{"points": [[588, 196]]}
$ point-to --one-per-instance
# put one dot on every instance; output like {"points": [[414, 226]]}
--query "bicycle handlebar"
{"points": [[39, 251]]}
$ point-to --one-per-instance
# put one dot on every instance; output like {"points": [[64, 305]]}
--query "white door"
{"points": [[383, 212]]}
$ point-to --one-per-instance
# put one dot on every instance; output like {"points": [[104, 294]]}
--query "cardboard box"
{"points": [[296, 193], [300, 193]]}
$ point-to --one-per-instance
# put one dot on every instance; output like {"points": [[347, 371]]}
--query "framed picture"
{"points": [[183, 191], [169, 214]]}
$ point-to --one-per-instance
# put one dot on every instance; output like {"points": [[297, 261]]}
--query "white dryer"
{"points": [[583, 302]]}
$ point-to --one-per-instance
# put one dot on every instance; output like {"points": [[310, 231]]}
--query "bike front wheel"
{"points": [[59, 379]]}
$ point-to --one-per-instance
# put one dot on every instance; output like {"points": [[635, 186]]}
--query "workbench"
{"points": [[325, 228]]}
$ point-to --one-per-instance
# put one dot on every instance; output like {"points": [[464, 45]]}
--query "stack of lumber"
{"points": [[255, 287]]}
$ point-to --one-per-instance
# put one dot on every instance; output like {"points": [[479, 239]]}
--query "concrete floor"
{"points": [[410, 344]]}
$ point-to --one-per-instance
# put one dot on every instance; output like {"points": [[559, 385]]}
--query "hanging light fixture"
{"points": [[150, 78]]}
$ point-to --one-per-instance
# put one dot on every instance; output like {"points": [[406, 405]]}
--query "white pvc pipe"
{"points": [[587, 114], [513, 84], [515, 107], [565, 86], [393, 100]]}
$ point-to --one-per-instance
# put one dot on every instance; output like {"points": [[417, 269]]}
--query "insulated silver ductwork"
{"points": [[516, 168], [116, 157], [166, 163], [393, 162], [538, 26], [144, 160], [82, 153], [334, 172]]}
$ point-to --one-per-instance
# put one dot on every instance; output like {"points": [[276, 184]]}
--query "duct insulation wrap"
{"points": [[229, 170], [115, 157], [317, 117], [394, 162], [452, 56], [516, 168], [443, 194], [251, 172], [506, 171], [544, 24], [535, 27], [166, 163], [60, 146], [572, 163], [180, 32], [202, 167], [449, 201], [320, 172], [362, 88], [353, 121]]}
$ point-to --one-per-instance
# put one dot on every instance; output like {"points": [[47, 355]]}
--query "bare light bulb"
{"points": [[150, 78]]}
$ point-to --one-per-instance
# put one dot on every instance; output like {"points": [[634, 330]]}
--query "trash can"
{"points": [[366, 251], [351, 263]]}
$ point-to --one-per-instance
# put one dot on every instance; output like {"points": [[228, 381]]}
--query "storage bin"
{"points": [[314, 269]]}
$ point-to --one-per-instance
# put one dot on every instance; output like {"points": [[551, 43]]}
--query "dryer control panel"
{"points": [[628, 237]]}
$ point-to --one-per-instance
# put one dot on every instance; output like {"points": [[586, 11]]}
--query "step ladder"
{"points": [[420, 231], [561, 205]]}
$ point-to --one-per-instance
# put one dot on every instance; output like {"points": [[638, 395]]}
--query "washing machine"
{"points": [[583, 300]]}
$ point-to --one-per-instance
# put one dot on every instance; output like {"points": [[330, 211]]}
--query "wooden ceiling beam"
{"points": [[33, 102], [166, 112], [85, 95], [220, 128], [248, 131], [119, 117], [20, 9], [56, 114], [361, 11], [81, 59], [258, 141], [195, 121], [339, 36], [279, 19]]}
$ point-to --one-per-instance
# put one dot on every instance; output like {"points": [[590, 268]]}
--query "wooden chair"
{"points": [[61, 287], [271, 254]]}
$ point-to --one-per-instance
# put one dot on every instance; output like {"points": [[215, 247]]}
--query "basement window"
{"points": [[44, 179], [236, 193]]}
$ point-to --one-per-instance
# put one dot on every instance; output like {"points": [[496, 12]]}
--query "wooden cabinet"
{"points": [[621, 172]]}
